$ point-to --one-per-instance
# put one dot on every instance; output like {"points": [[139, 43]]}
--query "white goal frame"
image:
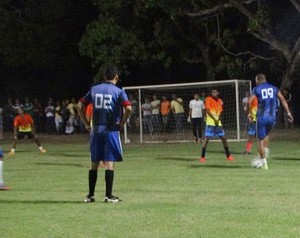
{"points": [[239, 94]]}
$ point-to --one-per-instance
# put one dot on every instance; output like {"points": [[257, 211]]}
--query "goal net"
{"points": [[147, 124]]}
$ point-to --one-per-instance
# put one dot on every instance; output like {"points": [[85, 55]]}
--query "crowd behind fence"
{"points": [[53, 117]]}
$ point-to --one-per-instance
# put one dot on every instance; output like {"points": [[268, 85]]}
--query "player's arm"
{"points": [[81, 111], [212, 116], [126, 115], [285, 106]]}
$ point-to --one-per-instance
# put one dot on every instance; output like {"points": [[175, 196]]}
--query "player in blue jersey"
{"points": [[108, 118], [2, 185], [267, 96]]}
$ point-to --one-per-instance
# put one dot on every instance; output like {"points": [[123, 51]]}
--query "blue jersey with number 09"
{"points": [[267, 99]]}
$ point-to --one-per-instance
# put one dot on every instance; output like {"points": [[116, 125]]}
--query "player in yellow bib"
{"points": [[214, 109]]}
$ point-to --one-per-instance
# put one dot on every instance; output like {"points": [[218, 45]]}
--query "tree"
{"points": [[263, 25], [39, 45], [232, 38]]}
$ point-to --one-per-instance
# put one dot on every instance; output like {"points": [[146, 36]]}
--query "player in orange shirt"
{"points": [[24, 126], [165, 109], [251, 129], [214, 109], [89, 113]]}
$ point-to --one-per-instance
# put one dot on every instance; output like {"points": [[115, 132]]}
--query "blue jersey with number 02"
{"points": [[267, 99], [108, 101]]}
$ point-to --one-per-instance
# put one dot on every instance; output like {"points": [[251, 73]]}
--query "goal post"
{"points": [[146, 126]]}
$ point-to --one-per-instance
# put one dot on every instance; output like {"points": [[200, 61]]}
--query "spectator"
{"points": [[8, 115], [16, 106], [134, 114], [71, 108], [69, 128], [196, 113], [165, 109], [28, 107], [50, 119], [64, 113], [58, 118], [155, 106], [146, 108], [178, 111], [38, 115]]}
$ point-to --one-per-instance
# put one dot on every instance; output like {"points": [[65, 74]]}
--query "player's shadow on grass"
{"points": [[174, 159], [70, 155], [61, 164], [286, 159], [39, 202], [218, 166]]}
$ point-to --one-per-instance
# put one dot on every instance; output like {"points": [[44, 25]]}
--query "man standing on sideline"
{"points": [[24, 126], [267, 96], [108, 101], [214, 109], [196, 113], [2, 185]]}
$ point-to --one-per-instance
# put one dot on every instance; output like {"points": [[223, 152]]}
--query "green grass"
{"points": [[165, 192]]}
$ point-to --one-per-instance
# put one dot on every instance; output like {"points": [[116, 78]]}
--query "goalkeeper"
{"points": [[214, 109]]}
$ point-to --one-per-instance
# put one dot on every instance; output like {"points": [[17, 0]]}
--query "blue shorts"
{"points": [[106, 146], [251, 129], [264, 126], [214, 131]]}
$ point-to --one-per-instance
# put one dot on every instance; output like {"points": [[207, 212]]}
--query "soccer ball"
{"points": [[256, 163]]}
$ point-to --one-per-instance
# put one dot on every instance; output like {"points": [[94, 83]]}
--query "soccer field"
{"points": [[165, 191]]}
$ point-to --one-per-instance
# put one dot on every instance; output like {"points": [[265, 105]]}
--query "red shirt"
{"points": [[23, 122]]}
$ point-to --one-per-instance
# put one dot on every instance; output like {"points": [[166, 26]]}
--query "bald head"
{"points": [[260, 78]]}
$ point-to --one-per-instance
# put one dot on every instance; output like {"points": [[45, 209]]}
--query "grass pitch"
{"points": [[165, 191]]}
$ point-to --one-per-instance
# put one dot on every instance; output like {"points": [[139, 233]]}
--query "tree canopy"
{"points": [[229, 38]]}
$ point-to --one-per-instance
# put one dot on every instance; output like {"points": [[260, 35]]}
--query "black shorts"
{"points": [[21, 135]]}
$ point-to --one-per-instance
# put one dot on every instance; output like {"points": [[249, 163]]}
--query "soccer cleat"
{"points": [[247, 152], [230, 158], [264, 167], [89, 199], [202, 160], [43, 151], [4, 188], [112, 199]]}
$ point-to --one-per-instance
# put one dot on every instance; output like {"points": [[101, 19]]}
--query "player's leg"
{"points": [[208, 134], [194, 129], [251, 136], [97, 152], [2, 185], [20, 136], [37, 142], [113, 153], [226, 148]]}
